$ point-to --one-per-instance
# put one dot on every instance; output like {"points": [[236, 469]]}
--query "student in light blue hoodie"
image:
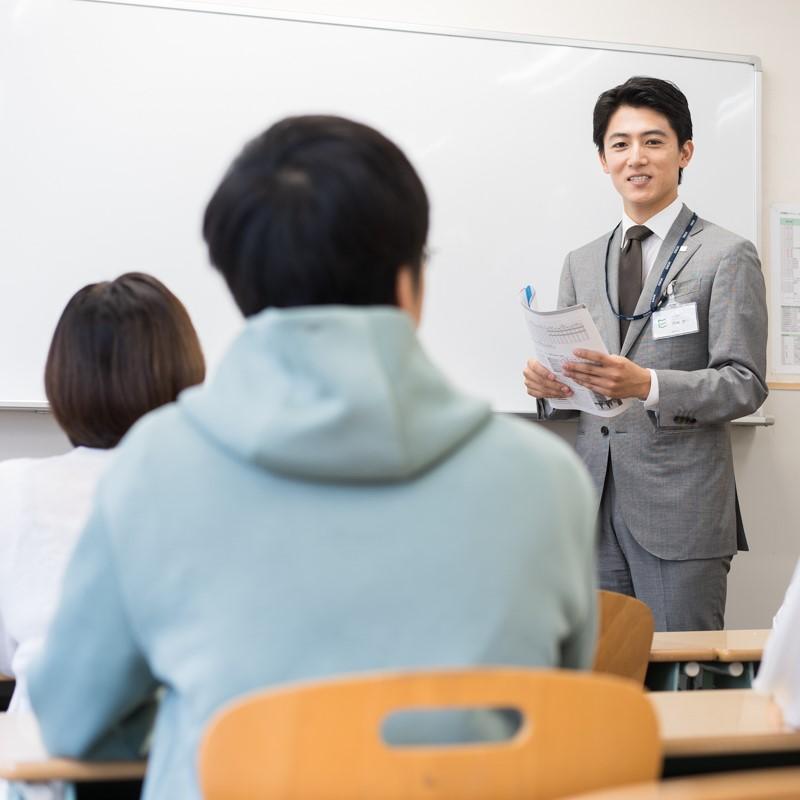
{"points": [[328, 503]]}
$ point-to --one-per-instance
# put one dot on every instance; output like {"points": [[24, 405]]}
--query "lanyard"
{"points": [[655, 300]]}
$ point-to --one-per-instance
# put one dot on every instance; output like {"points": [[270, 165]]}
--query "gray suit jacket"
{"points": [[673, 468]]}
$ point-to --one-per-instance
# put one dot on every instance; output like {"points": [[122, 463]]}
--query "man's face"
{"points": [[642, 156]]}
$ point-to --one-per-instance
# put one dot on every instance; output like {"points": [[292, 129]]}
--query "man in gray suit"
{"points": [[680, 303]]}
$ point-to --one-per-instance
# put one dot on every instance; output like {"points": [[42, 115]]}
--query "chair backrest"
{"points": [[322, 741], [625, 636], [766, 784]]}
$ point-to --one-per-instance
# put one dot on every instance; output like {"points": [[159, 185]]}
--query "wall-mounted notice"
{"points": [[785, 281]]}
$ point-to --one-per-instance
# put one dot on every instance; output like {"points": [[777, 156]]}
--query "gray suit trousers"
{"points": [[684, 595]]}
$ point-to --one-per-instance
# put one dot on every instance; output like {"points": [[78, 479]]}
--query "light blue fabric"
{"points": [[326, 504]]}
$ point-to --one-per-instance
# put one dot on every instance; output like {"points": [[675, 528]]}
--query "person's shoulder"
{"points": [[162, 424], [147, 453], [21, 484], [721, 239], [590, 250], [528, 445], [523, 459], [14, 470], [17, 475], [14, 478]]}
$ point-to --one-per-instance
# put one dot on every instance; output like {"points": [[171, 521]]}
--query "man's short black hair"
{"points": [[317, 210], [638, 92]]}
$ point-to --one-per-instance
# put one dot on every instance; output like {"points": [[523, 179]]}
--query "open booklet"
{"points": [[555, 336]]}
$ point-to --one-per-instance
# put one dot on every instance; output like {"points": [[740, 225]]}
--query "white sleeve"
{"points": [[779, 674], [9, 531], [651, 403]]}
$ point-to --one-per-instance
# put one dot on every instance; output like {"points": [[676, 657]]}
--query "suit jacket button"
{"points": [[604, 430]]}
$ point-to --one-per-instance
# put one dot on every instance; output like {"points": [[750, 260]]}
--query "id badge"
{"points": [[675, 319]]}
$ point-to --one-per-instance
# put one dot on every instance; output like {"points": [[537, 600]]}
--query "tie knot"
{"points": [[638, 233]]}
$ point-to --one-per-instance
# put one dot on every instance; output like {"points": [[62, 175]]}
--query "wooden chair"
{"points": [[322, 741], [625, 636], [766, 784]]}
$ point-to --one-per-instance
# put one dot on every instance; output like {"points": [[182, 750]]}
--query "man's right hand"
{"points": [[541, 383]]}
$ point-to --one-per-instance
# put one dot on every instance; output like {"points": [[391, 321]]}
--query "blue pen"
{"points": [[530, 293]]}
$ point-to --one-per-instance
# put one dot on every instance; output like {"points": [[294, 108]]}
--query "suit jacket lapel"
{"points": [[667, 246], [609, 323]]}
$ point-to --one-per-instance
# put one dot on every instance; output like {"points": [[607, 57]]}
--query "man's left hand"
{"points": [[612, 376]]}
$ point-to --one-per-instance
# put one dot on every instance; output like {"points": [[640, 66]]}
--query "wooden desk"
{"points": [[710, 731], [23, 757], [737, 723], [708, 645], [718, 659], [775, 784]]}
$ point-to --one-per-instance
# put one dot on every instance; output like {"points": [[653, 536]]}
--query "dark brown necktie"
{"points": [[630, 274]]}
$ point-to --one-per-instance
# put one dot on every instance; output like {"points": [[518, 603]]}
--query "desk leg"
{"points": [[665, 676], [102, 790], [662, 676], [6, 690], [733, 675], [682, 766]]}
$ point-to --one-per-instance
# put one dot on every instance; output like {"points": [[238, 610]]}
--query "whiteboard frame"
{"points": [[237, 9]]}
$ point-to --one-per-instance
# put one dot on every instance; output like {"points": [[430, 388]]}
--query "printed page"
{"points": [[786, 287], [555, 336]]}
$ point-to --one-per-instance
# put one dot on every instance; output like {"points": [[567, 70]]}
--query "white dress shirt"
{"points": [[659, 224], [44, 504]]}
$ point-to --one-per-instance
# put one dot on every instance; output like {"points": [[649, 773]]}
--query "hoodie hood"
{"points": [[335, 393]]}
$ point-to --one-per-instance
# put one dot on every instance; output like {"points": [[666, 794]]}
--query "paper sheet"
{"points": [[785, 280], [555, 336]]}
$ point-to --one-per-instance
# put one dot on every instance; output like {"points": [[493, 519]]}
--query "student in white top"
{"points": [[121, 348], [779, 674]]}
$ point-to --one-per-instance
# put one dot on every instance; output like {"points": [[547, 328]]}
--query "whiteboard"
{"points": [[118, 120]]}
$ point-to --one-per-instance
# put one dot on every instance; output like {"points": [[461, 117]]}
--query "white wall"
{"points": [[30, 433], [766, 459]]}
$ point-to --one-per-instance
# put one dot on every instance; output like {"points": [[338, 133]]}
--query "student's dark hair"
{"points": [[641, 92], [317, 210], [121, 348]]}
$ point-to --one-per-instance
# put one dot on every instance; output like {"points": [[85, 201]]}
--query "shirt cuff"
{"points": [[651, 403]]}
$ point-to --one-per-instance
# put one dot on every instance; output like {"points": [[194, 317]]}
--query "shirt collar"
{"points": [[659, 223]]}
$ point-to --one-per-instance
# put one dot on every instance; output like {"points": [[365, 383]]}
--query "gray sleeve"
{"points": [[734, 383]]}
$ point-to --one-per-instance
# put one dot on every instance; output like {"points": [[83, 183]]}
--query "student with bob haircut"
{"points": [[121, 348], [328, 503]]}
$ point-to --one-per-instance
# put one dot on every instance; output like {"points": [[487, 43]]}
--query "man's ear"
{"points": [[687, 151], [603, 163], [409, 291]]}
